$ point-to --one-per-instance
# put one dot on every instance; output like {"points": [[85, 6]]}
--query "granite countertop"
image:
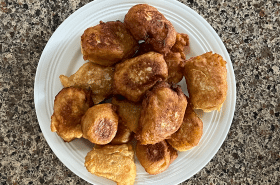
{"points": [[251, 34]]}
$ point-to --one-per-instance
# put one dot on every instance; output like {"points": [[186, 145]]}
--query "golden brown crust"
{"points": [[107, 43], [174, 59], [182, 43], [190, 132], [162, 113], [154, 158], [135, 76], [129, 112], [174, 62], [173, 153], [92, 76], [70, 105], [147, 23], [124, 135], [181, 46], [206, 78], [114, 162], [100, 123]]}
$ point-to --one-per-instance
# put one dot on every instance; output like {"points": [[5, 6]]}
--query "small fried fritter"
{"points": [[162, 113], [154, 158], [70, 105], [182, 43], [124, 135], [114, 162], [100, 123], [174, 62], [147, 23], [133, 77], [181, 46], [206, 78], [190, 132], [107, 43], [128, 111], [175, 58], [98, 78]]}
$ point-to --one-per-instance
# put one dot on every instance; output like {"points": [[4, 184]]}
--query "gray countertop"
{"points": [[250, 32]]}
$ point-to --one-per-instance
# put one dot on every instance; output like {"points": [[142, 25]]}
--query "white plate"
{"points": [[62, 55]]}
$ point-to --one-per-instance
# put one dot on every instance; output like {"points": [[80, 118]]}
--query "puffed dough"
{"points": [[114, 162], [92, 76], [70, 105], [100, 123], [133, 77], [154, 158], [206, 78], [107, 43], [190, 132], [162, 113], [147, 23], [128, 111]]}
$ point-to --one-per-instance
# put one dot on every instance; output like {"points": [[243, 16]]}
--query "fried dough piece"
{"points": [[114, 162], [107, 43], [175, 58], [100, 123], [70, 105], [182, 43], [174, 62], [181, 46], [147, 23], [190, 132], [206, 78], [98, 78], [128, 111], [133, 77], [154, 158], [162, 113], [124, 135]]}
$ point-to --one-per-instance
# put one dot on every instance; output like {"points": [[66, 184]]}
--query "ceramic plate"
{"points": [[62, 55]]}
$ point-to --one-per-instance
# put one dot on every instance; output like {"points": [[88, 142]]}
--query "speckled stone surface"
{"points": [[251, 34]]}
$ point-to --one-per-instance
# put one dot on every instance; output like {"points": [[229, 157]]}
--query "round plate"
{"points": [[62, 55]]}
